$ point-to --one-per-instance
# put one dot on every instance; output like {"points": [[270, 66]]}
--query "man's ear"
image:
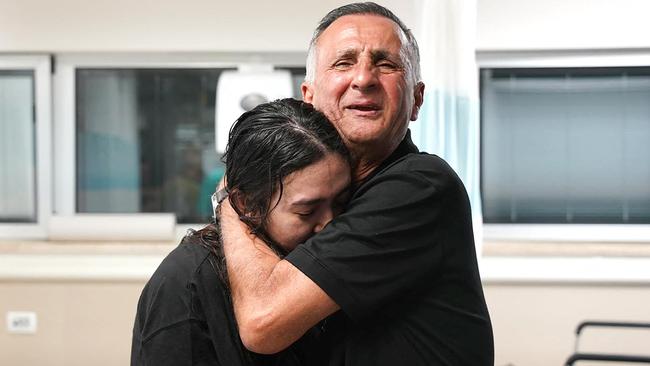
{"points": [[307, 92], [418, 99]]}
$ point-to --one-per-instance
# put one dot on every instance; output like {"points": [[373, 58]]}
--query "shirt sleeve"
{"points": [[178, 345], [386, 244]]}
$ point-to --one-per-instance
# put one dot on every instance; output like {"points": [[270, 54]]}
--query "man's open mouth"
{"points": [[366, 107]]}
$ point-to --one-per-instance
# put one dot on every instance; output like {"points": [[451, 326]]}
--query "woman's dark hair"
{"points": [[265, 145]]}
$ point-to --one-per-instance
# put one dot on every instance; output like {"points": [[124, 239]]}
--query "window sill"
{"points": [[87, 260], [523, 248], [576, 233], [502, 262], [565, 263], [75, 261]]}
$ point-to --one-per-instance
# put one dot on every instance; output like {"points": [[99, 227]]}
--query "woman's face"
{"points": [[311, 197]]}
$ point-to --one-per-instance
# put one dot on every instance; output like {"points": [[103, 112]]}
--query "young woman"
{"points": [[287, 175]]}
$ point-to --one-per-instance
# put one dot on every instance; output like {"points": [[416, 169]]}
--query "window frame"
{"points": [[41, 66], [65, 99], [638, 233]]}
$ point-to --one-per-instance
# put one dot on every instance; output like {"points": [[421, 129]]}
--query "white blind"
{"points": [[566, 145], [17, 152]]}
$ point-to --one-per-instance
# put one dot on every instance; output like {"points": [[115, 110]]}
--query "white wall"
{"points": [[286, 25], [562, 24], [166, 25]]}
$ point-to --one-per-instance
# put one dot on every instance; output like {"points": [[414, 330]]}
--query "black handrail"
{"points": [[590, 323], [606, 357], [577, 356]]}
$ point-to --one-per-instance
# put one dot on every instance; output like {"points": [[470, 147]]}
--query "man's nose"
{"points": [[365, 76]]}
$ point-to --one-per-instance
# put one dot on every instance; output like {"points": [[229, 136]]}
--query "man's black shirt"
{"points": [[401, 264]]}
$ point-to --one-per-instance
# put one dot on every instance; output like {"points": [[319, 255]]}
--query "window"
{"points": [[145, 141], [144, 138], [24, 145], [566, 145]]}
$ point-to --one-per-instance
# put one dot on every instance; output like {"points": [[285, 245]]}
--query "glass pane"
{"points": [[566, 145], [145, 141], [17, 147]]}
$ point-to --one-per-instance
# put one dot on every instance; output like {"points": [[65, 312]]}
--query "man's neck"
{"points": [[362, 171], [364, 162]]}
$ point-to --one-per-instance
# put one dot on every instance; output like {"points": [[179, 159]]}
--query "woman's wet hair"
{"points": [[265, 145]]}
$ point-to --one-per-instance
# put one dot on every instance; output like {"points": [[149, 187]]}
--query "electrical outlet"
{"points": [[21, 322]]}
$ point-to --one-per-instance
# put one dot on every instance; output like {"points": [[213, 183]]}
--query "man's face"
{"points": [[362, 83]]}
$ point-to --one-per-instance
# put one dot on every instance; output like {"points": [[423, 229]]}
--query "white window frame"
{"points": [[41, 66], [64, 101], [639, 233]]}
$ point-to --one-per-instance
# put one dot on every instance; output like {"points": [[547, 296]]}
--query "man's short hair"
{"points": [[410, 50]]}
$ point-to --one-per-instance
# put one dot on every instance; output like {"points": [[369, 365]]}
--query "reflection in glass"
{"points": [[145, 141]]}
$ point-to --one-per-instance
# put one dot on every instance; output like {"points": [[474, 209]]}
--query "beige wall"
{"points": [[79, 323], [82, 323], [534, 325]]}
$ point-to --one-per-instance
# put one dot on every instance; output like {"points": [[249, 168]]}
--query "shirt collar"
{"points": [[404, 148]]}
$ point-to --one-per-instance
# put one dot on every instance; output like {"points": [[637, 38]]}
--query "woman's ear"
{"points": [[243, 207], [238, 202]]}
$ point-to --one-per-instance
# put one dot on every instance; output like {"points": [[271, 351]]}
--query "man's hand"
{"points": [[275, 303]]}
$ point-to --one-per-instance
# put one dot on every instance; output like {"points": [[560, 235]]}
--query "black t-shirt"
{"points": [[185, 317], [401, 264]]}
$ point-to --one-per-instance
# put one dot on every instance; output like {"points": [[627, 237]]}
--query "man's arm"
{"points": [[275, 303]]}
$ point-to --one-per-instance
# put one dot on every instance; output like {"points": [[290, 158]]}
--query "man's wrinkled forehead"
{"points": [[408, 52], [346, 38], [361, 20], [353, 52]]}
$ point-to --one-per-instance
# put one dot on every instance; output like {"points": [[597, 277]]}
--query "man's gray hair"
{"points": [[409, 52]]}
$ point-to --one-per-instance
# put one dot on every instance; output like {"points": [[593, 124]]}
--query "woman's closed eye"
{"points": [[305, 213]]}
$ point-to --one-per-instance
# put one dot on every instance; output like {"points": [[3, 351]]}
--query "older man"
{"points": [[400, 262]]}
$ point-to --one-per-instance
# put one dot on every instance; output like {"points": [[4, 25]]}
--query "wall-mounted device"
{"points": [[241, 90]]}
